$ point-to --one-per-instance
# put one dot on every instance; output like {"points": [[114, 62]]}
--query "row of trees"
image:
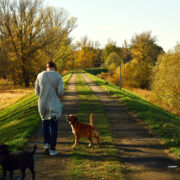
{"points": [[31, 35], [137, 60]]}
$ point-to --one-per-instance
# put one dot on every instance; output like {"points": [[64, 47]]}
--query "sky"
{"points": [[119, 20]]}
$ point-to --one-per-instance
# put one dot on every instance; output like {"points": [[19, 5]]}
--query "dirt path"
{"points": [[55, 168], [141, 152]]}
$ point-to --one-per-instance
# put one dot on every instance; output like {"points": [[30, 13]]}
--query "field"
{"points": [[10, 94]]}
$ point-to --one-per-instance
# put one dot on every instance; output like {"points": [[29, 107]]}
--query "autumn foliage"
{"points": [[149, 68], [31, 35], [166, 81]]}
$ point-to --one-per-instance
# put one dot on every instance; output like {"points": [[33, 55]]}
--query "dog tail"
{"points": [[34, 149], [91, 120]]}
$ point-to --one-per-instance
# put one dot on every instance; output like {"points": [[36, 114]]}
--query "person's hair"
{"points": [[51, 64]]}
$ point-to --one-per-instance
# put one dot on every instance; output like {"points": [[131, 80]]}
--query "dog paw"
{"points": [[73, 146]]}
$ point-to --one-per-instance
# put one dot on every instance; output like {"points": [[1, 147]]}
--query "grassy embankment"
{"points": [[166, 125], [94, 163], [19, 120]]}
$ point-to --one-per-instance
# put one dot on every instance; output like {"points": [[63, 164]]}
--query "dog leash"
{"points": [[51, 83]]}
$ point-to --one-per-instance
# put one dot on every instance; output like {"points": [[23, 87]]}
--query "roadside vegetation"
{"points": [[94, 163], [166, 125]]}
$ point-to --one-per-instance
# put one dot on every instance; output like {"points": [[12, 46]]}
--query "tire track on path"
{"points": [[55, 168], [140, 151]]}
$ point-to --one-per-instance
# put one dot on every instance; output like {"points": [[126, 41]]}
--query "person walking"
{"points": [[49, 88]]}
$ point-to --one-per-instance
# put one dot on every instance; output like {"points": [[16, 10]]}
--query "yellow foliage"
{"points": [[136, 74], [86, 57], [166, 81], [29, 31]]}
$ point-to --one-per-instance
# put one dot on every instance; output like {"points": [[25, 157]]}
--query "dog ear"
{"points": [[74, 118]]}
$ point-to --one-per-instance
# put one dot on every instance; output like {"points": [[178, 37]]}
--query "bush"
{"points": [[112, 61], [166, 81]]}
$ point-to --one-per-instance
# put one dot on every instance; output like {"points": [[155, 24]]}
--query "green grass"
{"points": [[96, 71], [94, 163], [66, 78], [19, 120], [166, 125]]}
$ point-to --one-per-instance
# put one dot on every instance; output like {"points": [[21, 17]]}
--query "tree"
{"points": [[64, 56], [28, 30], [87, 53], [144, 48], [166, 80], [144, 53], [123, 52], [112, 61], [136, 74], [126, 52], [4, 61], [109, 48]]}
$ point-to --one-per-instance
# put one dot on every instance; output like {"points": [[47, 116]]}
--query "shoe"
{"points": [[53, 152], [46, 147]]}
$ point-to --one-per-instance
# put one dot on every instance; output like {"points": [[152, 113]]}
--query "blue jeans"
{"points": [[50, 131]]}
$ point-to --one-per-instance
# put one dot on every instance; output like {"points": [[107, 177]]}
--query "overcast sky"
{"points": [[118, 20]]}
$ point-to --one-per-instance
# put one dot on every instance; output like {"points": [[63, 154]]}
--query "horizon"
{"points": [[120, 20]]}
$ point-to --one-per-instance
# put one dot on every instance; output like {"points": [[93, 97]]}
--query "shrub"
{"points": [[166, 81]]}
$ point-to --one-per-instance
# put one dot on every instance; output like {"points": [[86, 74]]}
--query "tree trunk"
{"points": [[26, 81], [26, 78]]}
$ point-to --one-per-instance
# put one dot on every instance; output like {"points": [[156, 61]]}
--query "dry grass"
{"points": [[8, 97], [150, 96], [146, 94], [10, 93]]}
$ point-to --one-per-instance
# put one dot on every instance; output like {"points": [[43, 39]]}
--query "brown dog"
{"points": [[83, 130]]}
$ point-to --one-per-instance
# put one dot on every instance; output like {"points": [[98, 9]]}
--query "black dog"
{"points": [[11, 161]]}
